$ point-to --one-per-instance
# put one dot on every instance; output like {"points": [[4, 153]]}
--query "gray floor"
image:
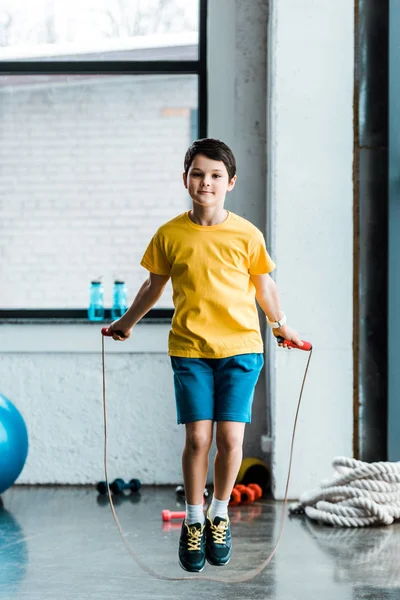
{"points": [[58, 543]]}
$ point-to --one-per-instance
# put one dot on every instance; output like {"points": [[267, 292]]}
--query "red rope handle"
{"points": [[306, 345]]}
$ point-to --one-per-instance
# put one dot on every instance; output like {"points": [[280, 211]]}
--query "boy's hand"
{"points": [[289, 334], [121, 332]]}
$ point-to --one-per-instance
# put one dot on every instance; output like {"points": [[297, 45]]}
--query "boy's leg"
{"points": [[226, 466], [199, 436], [228, 458], [236, 378], [194, 466], [194, 395]]}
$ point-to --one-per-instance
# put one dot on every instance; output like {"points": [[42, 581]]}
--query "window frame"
{"points": [[113, 67]]}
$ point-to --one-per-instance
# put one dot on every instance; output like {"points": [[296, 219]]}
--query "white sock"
{"points": [[194, 514], [218, 508]]}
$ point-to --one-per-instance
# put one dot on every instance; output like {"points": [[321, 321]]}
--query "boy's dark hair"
{"points": [[214, 149]]}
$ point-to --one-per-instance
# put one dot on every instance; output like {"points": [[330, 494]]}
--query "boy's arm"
{"points": [[147, 296], [268, 298]]}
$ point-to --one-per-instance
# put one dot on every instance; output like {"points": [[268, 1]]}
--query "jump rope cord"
{"points": [[239, 579]]}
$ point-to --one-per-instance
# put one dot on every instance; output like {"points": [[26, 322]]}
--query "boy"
{"points": [[219, 265]]}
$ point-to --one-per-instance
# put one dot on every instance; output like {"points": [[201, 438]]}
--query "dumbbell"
{"points": [[119, 485], [167, 515], [245, 494], [235, 498], [249, 493]]}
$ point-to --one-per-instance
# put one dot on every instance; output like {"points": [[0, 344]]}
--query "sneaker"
{"points": [[192, 550], [218, 541]]}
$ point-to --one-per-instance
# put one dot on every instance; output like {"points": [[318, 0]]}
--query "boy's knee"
{"points": [[198, 441], [229, 442]]}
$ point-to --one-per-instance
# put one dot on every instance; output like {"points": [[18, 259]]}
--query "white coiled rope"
{"points": [[359, 494]]}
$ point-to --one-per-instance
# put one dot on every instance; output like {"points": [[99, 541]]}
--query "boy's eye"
{"points": [[215, 175]]}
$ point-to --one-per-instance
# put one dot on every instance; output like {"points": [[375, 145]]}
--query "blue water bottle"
{"points": [[96, 302], [120, 294]]}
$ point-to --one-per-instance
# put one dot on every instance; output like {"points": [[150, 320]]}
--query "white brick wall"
{"points": [[89, 168]]}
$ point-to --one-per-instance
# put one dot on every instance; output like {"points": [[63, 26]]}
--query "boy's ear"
{"points": [[184, 179], [232, 182]]}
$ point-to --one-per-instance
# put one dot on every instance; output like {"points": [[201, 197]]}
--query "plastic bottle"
{"points": [[96, 301], [120, 294]]}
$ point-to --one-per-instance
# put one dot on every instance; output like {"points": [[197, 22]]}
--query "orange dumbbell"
{"points": [[248, 494], [256, 489], [236, 497]]}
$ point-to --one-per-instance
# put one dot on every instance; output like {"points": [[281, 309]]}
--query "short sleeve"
{"points": [[154, 259], [260, 261]]}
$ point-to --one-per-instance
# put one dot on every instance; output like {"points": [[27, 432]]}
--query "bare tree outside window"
{"points": [[6, 23], [55, 21], [127, 18]]}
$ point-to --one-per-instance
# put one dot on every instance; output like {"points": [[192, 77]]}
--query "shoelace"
{"points": [[194, 537], [219, 532]]}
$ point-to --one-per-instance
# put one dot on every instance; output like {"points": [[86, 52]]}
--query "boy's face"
{"points": [[207, 181]]}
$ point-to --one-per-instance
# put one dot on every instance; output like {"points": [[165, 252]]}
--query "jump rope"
{"points": [[248, 575]]}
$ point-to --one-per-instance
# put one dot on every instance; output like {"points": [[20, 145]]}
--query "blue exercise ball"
{"points": [[13, 443]]}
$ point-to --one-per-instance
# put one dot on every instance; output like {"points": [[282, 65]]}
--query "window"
{"points": [[91, 157], [99, 30]]}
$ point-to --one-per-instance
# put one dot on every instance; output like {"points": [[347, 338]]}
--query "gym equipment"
{"points": [[306, 345], [107, 333], [13, 443], [235, 498], [359, 494], [167, 515], [118, 486], [249, 493], [245, 494], [256, 489]]}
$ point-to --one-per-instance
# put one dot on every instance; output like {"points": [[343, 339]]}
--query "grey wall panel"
{"points": [[394, 233], [370, 324]]}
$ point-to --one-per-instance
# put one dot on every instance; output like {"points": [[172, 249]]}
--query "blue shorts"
{"points": [[217, 389]]}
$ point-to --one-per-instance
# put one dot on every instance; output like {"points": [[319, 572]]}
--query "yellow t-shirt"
{"points": [[210, 266]]}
